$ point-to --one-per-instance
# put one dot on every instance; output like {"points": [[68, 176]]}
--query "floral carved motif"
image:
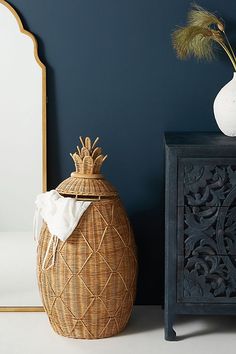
{"points": [[209, 231]]}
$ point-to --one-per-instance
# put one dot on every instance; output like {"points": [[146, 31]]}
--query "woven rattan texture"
{"points": [[89, 292], [86, 187]]}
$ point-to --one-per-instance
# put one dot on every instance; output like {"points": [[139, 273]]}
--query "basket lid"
{"points": [[87, 179]]}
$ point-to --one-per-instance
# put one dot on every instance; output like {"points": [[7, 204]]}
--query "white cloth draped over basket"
{"points": [[61, 214]]}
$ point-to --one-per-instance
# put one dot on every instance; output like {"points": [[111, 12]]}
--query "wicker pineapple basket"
{"points": [[90, 290]]}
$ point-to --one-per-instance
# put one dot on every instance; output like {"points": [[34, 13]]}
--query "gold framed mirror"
{"points": [[23, 163]]}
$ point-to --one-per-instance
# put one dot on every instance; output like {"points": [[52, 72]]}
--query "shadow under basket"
{"points": [[90, 290]]}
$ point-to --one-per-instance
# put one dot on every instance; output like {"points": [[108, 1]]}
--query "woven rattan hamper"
{"points": [[90, 290]]}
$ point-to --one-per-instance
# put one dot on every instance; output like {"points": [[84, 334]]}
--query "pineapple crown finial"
{"points": [[88, 158]]}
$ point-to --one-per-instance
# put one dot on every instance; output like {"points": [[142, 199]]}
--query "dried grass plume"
{"points": [[198, 38]]}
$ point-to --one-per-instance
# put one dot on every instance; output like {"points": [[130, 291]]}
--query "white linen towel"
{"points": [[61, 215]]}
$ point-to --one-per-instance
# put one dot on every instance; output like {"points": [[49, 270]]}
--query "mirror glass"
{"points": [[22, 158]]}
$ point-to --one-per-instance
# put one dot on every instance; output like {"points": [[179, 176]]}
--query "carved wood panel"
{"points": [[207, 232], [206, 183], [207, 278]]}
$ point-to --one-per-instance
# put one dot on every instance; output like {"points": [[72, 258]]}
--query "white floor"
{"points": [[18, 277], [30, 333]]}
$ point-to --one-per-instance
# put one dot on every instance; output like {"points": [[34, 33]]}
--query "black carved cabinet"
{"points": [[200, 231]]}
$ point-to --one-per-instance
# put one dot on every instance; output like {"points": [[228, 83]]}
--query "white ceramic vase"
{"points": [[225, 108]]}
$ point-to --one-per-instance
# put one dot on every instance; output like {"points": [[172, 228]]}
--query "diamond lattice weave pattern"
{"points": [[90, 290]]}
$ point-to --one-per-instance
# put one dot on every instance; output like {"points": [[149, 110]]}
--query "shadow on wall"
{"points": [[148, 226]]}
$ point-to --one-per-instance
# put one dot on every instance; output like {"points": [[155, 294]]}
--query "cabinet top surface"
{"points": [[199, 139]]}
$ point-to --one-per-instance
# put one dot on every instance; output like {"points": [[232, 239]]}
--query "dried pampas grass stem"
{"points": [[198, 38]]}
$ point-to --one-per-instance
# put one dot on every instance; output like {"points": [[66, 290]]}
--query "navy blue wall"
{"points": [[112, 73]]}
